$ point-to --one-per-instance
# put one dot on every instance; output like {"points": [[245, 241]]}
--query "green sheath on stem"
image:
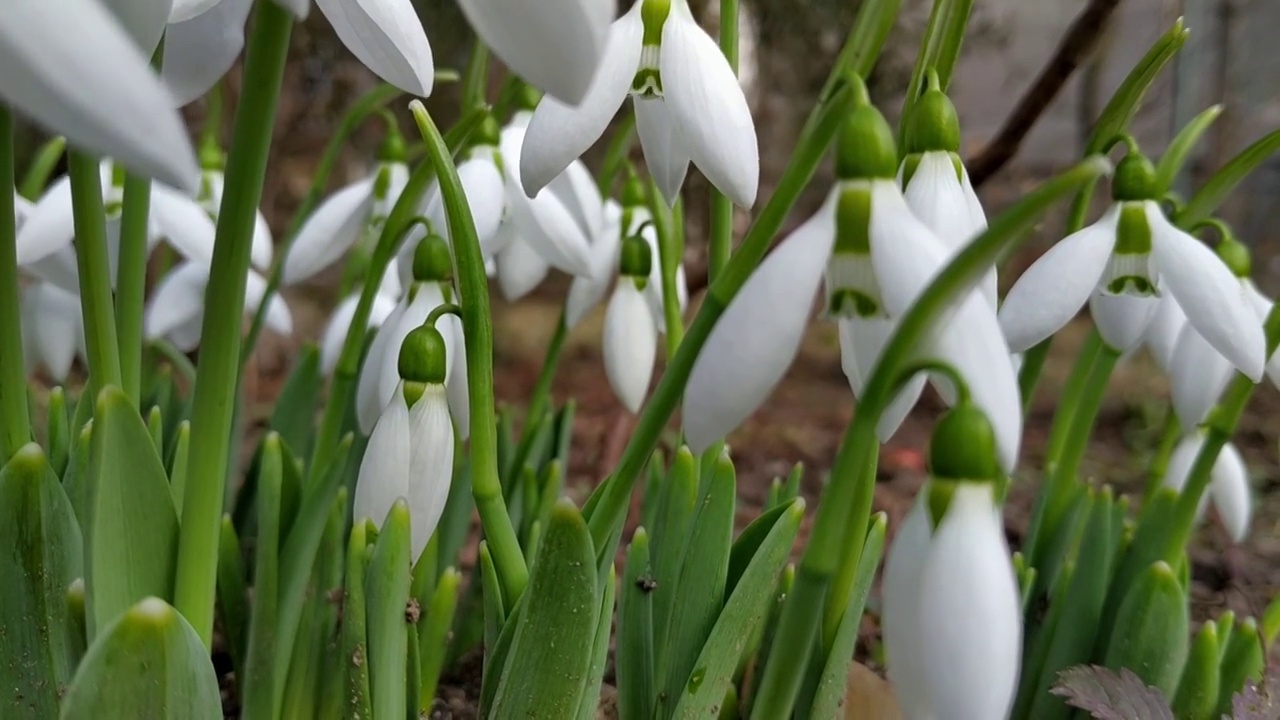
{"points": [[214, 401], [15, 424]]}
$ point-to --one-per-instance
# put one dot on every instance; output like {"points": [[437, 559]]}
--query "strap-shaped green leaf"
{"points": [[1198, 689], [42, 544], [233, 595], [546, 670], [1175, 156], [261, 676], [1150, 636], [747, 608], [387, 596], [590, 702], [131, 538], [676, 508], [1218, 187], [702, 581], [355, 646], [634, 657], [830, 692], [433, 634], [294, 415], [1242, 660], [147, 663]]}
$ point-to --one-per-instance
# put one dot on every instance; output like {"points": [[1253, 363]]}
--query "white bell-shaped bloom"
{"points": [[52, 329], [1162, 335], [1121, 265], [868, 289], [335, 333], [410, 457], [354, 212], [688, 105], [1198, 373], [554, 44], [970, 611], [520, 269], [379, 373], [940, 194], [1228, 483], [900, 627], [630, 343], [74, 67], [175, 311], [387, 36], [202, 41]]}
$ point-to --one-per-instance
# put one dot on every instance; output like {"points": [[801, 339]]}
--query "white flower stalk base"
{"points": [[952, 615], [409, 456]]}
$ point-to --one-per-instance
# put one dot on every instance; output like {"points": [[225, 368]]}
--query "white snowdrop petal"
{"points": [[664, 151], [183, 223], [758, 336], [48, 226], [335, 333], [1057, 285], [89, 81], [1122, 320], [177, 300], [385, 469], [861, 342], [329, 232], [52, 328], [430, 465], [973, 657], [263, 247], [905, 644], [520, 269], [1163, 332], [542, 220], [201, 46], [1229, 488], [369, 402], [708, 108], [630, 344], [426, 297], [1197, 377], [387, 36], [1180, 462], [558, 133], [905, 253], [555, 45], [458, 387], [1209, 294]]}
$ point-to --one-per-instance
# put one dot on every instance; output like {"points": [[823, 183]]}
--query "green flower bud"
{"points": [[1135, 178], [382, 182], [393, 147], [528, 97], [432, 260], [637, 258], [932, 123], [964, 446], [211, 156], [1236, 256], [633, 194], [422, 356], [865, 147], [487, 133]]}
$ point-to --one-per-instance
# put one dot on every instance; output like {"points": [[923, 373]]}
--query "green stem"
{"points": [[839, 529], [721, 235], [1160, 461], [15, 423], [611, 510], [1064, 418], [475, 83], [42, 167], [371, 103], [400, 220], [1029, 374], [94, 267], [616, 154], [1067, 468], [670, 253], [214, 395], [929, 46], [540, 398], [131, 280], [473, 288]]}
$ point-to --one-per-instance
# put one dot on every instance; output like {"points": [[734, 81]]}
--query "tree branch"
{"points": [[1072, 52]]}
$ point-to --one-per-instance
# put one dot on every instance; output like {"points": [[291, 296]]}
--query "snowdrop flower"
{"points": [[1198, 373], [432, 287], [877, 258], [354, 214], [934, 180], [1228, 483], [1122, 265], [1162, 336], [688, 104], [952, 620], [52, 329], [91, 80], [554, 44], [630, 342], [202, 41], [410, 453], [176, 309], [634, 219], [209, 197]]}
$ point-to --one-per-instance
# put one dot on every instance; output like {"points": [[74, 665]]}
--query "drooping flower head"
{"points": [[410, 453], [1122, 265], [874, 257], [952, 620], [1228, 483], [688, 104], [630, 331]]}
